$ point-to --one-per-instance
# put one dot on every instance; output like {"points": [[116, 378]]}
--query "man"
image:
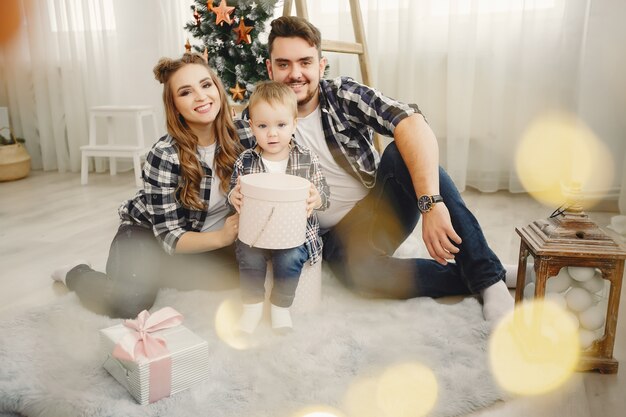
{"points": [[376, 202]]}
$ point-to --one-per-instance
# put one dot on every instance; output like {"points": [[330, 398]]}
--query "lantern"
{"points": [[568, 259]]}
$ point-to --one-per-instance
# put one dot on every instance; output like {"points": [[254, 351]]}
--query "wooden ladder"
{"points": [[359, 47]]}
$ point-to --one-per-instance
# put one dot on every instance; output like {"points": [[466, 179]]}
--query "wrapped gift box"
{"points": [[188, 353]]}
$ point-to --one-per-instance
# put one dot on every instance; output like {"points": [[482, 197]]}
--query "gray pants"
{"points": [[138, 266]]}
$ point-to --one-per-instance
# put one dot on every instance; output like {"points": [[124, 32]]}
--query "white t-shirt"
{"points": [[345, 190], [217, 210], [275, 167]]}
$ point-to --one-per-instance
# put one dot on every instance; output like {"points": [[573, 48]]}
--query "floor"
{"points": [[49, 219]]}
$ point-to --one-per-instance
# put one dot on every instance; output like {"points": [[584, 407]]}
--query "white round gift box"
{"points": [[273, 214]]}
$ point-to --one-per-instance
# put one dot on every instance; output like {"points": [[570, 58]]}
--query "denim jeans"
{"points": [[286, 264], [138, 266], [359, 248]]}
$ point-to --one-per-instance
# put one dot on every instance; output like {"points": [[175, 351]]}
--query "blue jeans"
{"points": [[286, 263], [359, 248]]}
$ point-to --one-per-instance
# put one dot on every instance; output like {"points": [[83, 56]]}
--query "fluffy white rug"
{"points": [[50, 363]]}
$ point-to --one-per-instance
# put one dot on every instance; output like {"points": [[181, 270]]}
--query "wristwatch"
{"points": [[425, 202]]}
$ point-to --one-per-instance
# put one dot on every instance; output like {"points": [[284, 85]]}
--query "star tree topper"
{"points": [[243, 32], [237, 92], [223, 12]]}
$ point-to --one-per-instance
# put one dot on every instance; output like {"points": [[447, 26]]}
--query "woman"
{"points": [[181, 209]]}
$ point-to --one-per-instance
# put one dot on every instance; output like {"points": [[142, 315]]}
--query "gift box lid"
{"points": [[179, 340]]}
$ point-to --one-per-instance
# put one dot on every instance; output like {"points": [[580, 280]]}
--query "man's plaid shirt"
{"points": [[349, 113], [157, 206], [303, 163]]}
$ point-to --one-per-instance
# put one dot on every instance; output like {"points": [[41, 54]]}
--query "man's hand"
{"points": [[438, 234], [235, 197], [314, 201]]}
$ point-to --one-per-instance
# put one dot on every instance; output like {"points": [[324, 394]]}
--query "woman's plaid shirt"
{"points": [[157, 206], [303, 163]]}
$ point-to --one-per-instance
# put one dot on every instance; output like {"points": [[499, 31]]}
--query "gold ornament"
{"points": [[187, 46], [237, 92], [223, 12], [242, 32], [205, 55]]}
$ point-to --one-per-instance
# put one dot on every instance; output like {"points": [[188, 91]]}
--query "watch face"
{"points": [[424, 204]]}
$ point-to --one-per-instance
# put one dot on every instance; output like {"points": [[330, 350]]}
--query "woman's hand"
{"points": [[235, 197], [314, 201], [230, 229]]}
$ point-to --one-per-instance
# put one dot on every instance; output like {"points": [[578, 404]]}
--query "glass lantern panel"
{"points": [[582, 293]]}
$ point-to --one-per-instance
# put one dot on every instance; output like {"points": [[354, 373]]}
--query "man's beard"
{"points": [[310, 95]]}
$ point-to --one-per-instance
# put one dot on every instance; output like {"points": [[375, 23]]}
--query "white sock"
{"points": [[497, 301], [252, 314], [511, 275], [60, 274], [281, 317]]}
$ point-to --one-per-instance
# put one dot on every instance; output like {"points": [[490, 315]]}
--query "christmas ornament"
{"points": [[223, 12], [187, 46], [237, 92], [196, 16], [205, 55], [242, 32]]}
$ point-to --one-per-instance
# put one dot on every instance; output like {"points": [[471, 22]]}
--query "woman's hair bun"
{"points": [[162, 69]]}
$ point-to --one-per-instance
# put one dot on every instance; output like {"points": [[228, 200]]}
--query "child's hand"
{"points": [[314, 201], [236, 198]]}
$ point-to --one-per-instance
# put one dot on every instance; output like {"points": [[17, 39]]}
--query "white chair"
{"points": [[112, 150]]}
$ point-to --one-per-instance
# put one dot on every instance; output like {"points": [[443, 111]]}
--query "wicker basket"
{"points": [[14, 162]]}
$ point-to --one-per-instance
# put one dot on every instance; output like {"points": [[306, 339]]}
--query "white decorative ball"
{"points": [[581, 273], [573, 317], [586, 338], [592, 318], [560, 282], [578, 299], [556, 298], [529, 290], [595, 284]]}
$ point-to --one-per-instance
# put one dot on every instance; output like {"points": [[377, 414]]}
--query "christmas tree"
{"points": [[229, 32]]}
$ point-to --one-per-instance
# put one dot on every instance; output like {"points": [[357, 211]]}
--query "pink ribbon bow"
{"points": [[141, 343]]}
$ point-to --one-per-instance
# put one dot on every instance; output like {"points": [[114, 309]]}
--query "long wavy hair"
{"points": [[228, 146]]}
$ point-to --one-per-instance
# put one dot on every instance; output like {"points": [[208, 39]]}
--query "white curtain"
{"points": [[70, 55], [480, 70]]}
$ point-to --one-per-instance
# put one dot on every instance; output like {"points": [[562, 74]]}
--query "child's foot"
{"points": [[60, 274], [252, 314], [281, 319], [497, 302]]}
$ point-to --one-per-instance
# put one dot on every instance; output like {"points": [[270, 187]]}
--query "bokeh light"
{"points": [[360, 399], [10, 20], [407, 390], [535, 348], [319, 411], [557, 151], [226, 325]]}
